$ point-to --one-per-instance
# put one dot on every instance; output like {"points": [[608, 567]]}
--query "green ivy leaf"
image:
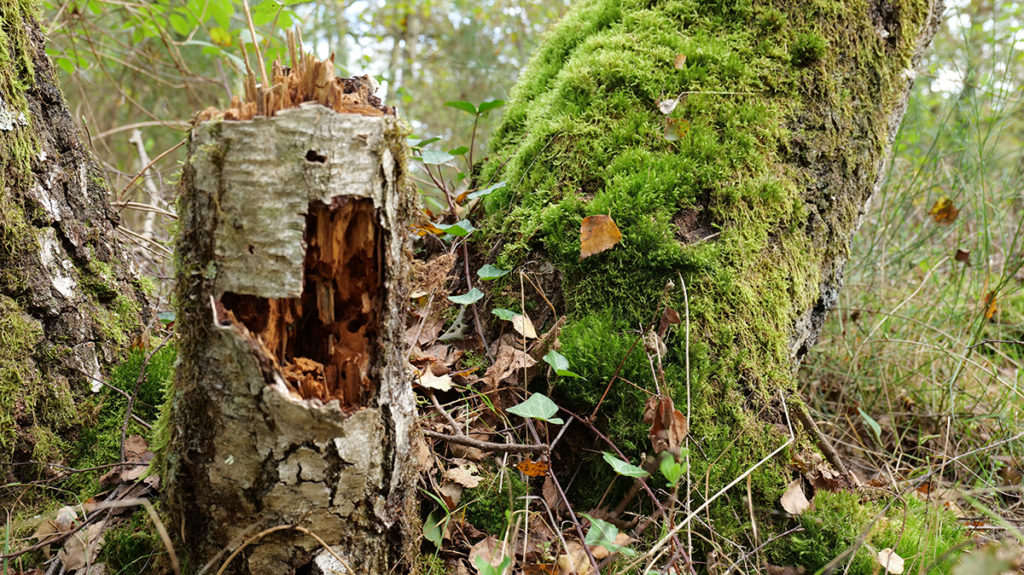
{"points": [[489, 272], [485, 191], [460, 228], [671, 469], [472, 296], [623, 468], [560, 364], [485, 568], [603, 533], [435, 158], [488, 106], [433, 529], [538, 406], [505, 314], [458, 151], [464, 106]]}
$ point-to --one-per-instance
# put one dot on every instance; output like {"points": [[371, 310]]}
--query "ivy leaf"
{"points": [[472, 296], [604, 534], [488, 106], [538, 406], [560, 364], [505, 314], [489, 272], [622, 467], [460, 228], [485, 191], [433, 528], [435, 157], [458, 151], [671, 469], [463, 106]]}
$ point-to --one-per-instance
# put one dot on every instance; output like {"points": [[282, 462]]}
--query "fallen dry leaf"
{"points": [[574, 561], [428, 380], [489, 549], [944, 212], [991, 304], [793, 500], [892, 562], [466, 475], [532, 468], [963, 256], [82, 548], [508, 360], [680, 61], [523, 325], [597, 234]]}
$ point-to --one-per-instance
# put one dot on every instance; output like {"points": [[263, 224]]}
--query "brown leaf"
{"points": [[428, 380], [82, 548], [597, 234], [793, 500], [550, 494], [490, 549], [599, 552], [532, 468], [668, 425], [508, 359], [944, 212], [680, 61], [669, 317], [574, 561], [963, 256]]}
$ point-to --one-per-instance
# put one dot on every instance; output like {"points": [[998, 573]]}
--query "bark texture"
{"points": [[291, 403], [69, 300], [737, 145]]}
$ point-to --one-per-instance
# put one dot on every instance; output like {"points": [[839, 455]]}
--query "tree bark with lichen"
{"points": [[70, 302], [292, 408], [736, 145]]}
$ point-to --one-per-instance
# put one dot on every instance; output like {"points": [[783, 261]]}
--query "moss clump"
{"points": [[751, 203], [100, 440], [19, 335], [920, 533], [808, 49], [490, 505], [132, 546]]}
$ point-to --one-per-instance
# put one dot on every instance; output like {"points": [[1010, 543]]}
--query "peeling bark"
{"points": [[292, 405]]}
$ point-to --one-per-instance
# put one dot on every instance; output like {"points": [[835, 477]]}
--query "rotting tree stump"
{"points": [[291, 403]]}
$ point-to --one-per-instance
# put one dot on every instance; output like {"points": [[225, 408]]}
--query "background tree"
{"points": [[70, 302]]}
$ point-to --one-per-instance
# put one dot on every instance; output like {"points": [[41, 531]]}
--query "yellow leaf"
{"points": [[597, 234], [990, 304], [944, 212]]}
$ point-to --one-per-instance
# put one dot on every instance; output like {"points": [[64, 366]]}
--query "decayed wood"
{"points": [[292, 405]]}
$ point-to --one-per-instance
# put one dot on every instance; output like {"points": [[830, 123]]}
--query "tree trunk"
{"points": [[292, 404], [69, 299], [736, 145]]}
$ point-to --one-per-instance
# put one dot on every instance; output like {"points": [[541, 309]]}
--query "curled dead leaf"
{"points": [[668, 425], [428, 380], [793, 499], [523, 325], [944, 212], [597, 234], [892, 562], [466, 475]]}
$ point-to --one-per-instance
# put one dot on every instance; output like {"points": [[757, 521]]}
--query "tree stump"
{"points": [[291, 404]]}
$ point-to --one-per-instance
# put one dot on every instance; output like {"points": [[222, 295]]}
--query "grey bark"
{"points": [[69, 298], [262, 203]]}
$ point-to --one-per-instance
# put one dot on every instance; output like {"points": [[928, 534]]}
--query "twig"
{"points": [[138, 384], [823, 443], [266, 532], [157, 523], [124, 190], [487, 445]]}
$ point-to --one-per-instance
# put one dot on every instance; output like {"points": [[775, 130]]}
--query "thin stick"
{"points": [[124, 190], [266, 532], [155, 518], [487, 445]]}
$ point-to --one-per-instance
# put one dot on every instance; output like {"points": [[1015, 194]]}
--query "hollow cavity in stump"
{"points": [[324, 341]]}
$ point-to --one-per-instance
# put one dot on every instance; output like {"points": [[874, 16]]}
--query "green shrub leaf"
{"points": [[538, 406]]}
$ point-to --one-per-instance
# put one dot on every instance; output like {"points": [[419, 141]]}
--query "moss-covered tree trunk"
{"points": [[69, 300], [292, 407], [737, 145]]}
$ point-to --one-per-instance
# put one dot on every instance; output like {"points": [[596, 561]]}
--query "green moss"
{"points": [[583, 135], [490, 505], [920, 533], [132, 545], [100, 440], [116, 319], [808, 49], [19, 336]]}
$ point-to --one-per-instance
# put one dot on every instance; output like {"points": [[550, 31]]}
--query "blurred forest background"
{"points": [[917, 373]]}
